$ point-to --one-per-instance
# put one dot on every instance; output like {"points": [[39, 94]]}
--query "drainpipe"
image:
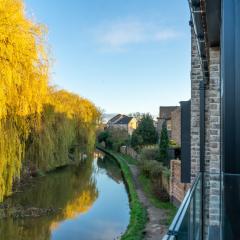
{"points": [[202, 125], [202, 88]]}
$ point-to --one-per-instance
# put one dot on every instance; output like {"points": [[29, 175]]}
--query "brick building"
{"points": [[176, 126], [211, 164], [170, 116]]}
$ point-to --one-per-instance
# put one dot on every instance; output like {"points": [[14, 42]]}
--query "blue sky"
{"points": [[124, 55]]}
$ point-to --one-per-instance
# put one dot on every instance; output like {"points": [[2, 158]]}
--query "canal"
{"points": [[87, 202]]}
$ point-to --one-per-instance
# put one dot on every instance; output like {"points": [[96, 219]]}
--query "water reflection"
{"points": [[109, 165], [82, 203]]}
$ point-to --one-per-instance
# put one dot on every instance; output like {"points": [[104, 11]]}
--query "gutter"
{"points": [[197, 22]]}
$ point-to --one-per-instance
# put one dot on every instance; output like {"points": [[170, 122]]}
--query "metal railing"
{"points": [[187, 222]]}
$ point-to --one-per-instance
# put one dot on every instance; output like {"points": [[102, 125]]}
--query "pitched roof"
{"points": [[165, 112], [115, 118], [124, 120], [120, 119]]}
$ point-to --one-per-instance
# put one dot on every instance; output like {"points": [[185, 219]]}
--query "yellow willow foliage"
{"points": [[23, 86], [39, 125], [23, 63], [74, 106], [50, 146], [11, 150]]}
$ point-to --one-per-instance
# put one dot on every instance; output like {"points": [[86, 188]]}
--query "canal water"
{"points": [[85, 202]]}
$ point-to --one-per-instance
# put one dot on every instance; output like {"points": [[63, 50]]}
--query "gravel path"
{"points": [[155, 228]]}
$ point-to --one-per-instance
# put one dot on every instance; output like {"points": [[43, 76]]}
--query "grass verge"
{"points": [[138, 213], [129, 159], [167, 206]]}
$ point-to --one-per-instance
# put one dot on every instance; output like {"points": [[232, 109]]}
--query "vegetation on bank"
{"points": [[146, 179], [145, 134], [114, 138], [39, 125], [156, 201], [152, 160], [151, 172], [164, 145], [138, 212], [144, 138]]}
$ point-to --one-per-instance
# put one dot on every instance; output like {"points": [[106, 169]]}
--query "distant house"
{"points": [[124, 122], [107, 116], [170, 115]]}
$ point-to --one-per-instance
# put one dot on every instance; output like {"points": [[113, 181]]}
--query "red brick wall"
{"points": [[177, 189]]}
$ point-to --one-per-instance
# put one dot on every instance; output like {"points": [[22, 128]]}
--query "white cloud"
{"points": [[166, 35], [118, 35]]}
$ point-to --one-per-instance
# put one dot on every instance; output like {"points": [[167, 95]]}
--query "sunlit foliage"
{"points": [[38, 124]]}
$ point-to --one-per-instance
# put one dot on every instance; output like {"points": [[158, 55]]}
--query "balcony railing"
{"points": [[187, 222]]}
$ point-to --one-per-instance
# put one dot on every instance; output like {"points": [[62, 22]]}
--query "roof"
{"points": [[120, 119], [165, 112], [107, 116], [115, 118], [124, 120]]}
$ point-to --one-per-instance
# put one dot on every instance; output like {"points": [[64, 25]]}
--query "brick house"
{"points": [[176, 126], [123, 122], [169, 115], [211, 163]]}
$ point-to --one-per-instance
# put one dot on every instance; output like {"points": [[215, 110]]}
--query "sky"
{"points": [[124, 55]]}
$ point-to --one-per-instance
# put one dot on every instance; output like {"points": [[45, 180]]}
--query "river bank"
{"points": [[159, 214], [138, 220]]}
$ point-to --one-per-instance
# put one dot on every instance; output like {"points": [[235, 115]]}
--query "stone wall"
{"points": [[196, 77], [212, 148], [212, 134], [176, 126], [177, 189]]}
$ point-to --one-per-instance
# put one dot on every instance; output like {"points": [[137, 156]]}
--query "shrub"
{"points": [[159, 176], [172, 142], [114, 138], [151, 168], [161, 193], [147, 166], [149, 153], [164, 143]]}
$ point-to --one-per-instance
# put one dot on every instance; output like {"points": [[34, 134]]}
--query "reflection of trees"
{"points": [[71, 191], [111, 167], [25, 229]]}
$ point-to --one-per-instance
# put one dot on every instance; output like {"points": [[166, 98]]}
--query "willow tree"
{"points": [[23, 86], [38, 124], [68, 122]]}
